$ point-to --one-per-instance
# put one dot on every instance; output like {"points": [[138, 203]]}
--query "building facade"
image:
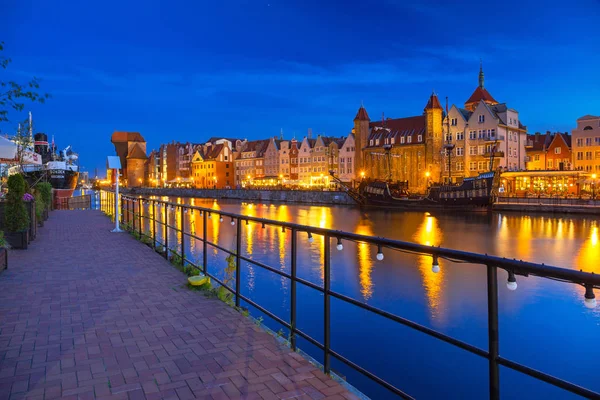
{"points": [[271, 158], [131, 149], [248, 161], [586, 144], [549, 152], [347, 163], [485, 135], [212, 166], [401, 149]]}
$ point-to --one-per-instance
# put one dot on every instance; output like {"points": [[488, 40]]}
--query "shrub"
{"points": [[45, 190], [3, 242], [39, 206], [15, 214]]}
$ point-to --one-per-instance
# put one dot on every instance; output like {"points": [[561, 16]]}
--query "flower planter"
{"points": [[17, 240]]}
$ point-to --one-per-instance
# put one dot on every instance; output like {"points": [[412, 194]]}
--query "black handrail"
{"points": [[492, 263]]}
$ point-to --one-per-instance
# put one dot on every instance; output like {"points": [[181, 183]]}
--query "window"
{"points": [[536, 157], [597, 140], [481, 118], [580, 142], [481, 165], [409, 139], [393, 140], [598, 155], [472, 150], [588, 155], [588, 141], [376, 142], [549, 164], [472, 166], [557, 150], [481, 150], [453, 121], [472, 135], [459, 166], [448, 137], [402, 140], [370, 143], [493, 133], [460, 135], [460, 151], [420, 138]]}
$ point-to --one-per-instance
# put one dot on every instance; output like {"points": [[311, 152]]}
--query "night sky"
{"points": [[187, 71]]}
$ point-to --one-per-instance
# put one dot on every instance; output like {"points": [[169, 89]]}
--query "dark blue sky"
{"points": [[190, 70]]}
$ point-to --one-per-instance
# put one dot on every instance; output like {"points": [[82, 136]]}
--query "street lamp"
{"points": [[362, 174]]}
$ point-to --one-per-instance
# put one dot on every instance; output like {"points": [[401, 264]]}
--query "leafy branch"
{"points": [[13, 95]]}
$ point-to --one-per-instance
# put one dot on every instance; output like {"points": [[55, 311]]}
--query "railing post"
{"points": [[133, 202], [204, 245], [326, 310], [122, 206], [181, 220], [166, 208], [493, 345], [238, 251], [154, 224], [294, 245], [140, 206]]}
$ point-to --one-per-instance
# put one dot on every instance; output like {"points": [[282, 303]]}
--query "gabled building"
{"points": [[212, 166], [305, 163], [288, 162], [249, 162], [347, 163], [549, 152], [486, 135], [271, 158]]}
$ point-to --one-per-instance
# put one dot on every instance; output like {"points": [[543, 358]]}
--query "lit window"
{"points": [[482, 118], [557, 150]]}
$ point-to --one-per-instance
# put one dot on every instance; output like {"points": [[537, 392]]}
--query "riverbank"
{"points": [[547, 208], [271, 196]]}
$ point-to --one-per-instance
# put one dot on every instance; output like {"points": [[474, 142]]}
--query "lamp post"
{"points": [[594, 176], [427, 175]]}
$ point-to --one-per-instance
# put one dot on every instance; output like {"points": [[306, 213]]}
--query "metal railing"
{"points": [[590, 281]]}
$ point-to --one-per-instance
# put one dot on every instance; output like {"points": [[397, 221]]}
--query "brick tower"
{"points": [[361, 135], [433, 124]]}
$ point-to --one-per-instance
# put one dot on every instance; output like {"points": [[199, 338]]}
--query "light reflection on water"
{"points": [[452, 301]]}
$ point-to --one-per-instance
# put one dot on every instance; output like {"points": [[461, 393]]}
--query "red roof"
{"points": [[433, 103], [416, 123], [481, 94], [362, 115]]}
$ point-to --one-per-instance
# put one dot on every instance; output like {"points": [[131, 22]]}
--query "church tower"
{"points": [[480, 93], [434, 138], [361, 136]]}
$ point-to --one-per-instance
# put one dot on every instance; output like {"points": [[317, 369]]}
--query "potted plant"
{"points": [[4, 246], [45, 190], [16, 220]]}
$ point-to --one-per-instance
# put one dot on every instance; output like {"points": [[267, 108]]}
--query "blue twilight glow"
{"points": [[187, 71]]}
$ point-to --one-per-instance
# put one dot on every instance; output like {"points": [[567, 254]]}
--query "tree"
{"points": [[13, 95]]}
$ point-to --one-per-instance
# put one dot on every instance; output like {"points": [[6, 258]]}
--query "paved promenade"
{"points": [[85, 313]]}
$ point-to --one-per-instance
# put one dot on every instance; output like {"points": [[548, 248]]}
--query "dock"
{"points": [[86, 313]]}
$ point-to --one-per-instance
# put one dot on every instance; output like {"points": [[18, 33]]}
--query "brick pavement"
{"points": [[85, 313]]}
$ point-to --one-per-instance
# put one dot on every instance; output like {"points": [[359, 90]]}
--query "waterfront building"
{"points": [[414, 145], [305, 161], [347, 163], [586, 144], [153, 169], [542, 183], [248, 160], [549, 151], [483, 132], [271, 158], [212, 166], [131, 149], [185, 155], [169, 163], [288, 162]]}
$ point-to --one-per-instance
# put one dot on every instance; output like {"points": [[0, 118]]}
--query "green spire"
{"points": [[480, 73]]}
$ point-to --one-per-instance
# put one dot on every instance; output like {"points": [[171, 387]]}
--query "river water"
{"points": [[542, 324]]}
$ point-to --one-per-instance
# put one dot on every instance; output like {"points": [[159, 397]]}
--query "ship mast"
{"points": [[448, 146]]}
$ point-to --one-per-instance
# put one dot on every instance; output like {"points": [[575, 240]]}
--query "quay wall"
{"points": [[276, 196], [548, 208]]}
